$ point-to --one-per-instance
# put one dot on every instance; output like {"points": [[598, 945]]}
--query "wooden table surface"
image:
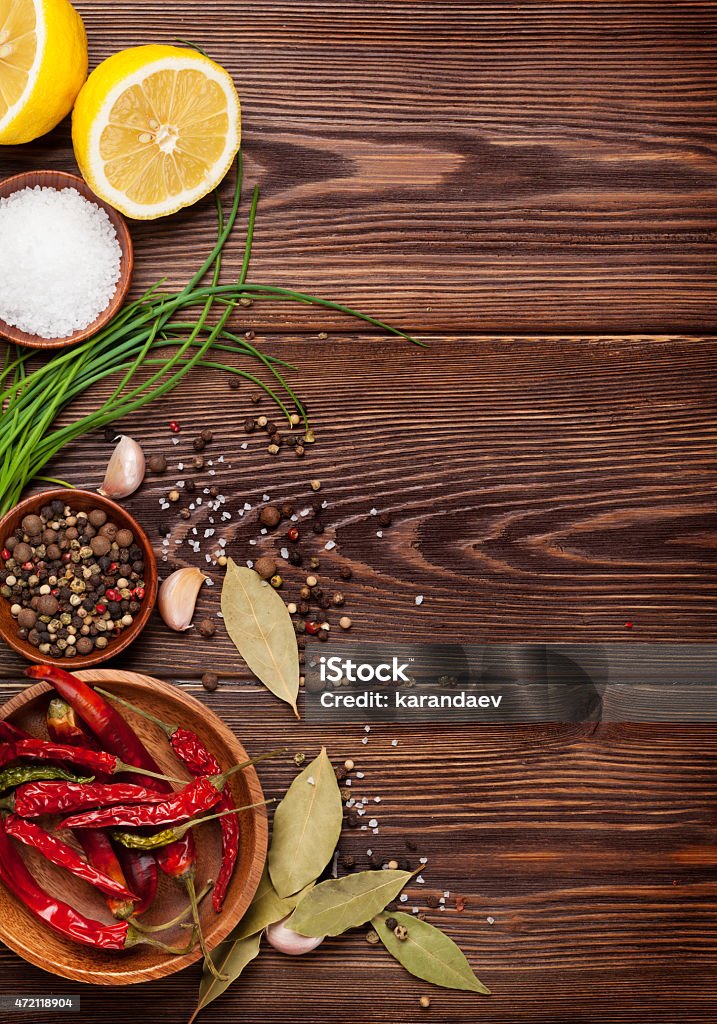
{"points": [[530, 187]]}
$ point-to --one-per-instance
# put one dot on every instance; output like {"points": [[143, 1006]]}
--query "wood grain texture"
{"points": [[532, 167], [531, 187], [542, 488]]}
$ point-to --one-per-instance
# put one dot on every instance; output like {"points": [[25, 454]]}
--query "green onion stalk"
{"points": [[163, 334]]}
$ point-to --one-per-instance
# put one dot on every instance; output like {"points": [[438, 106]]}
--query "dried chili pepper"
{"points": [[197, 797], [189, 749], [96, 845], [63, 856], [37, 798], [9, 732], [107, 724], [63, 918], [168, 835], [139, 867], [63, 727], [44, 750], [29, 773]]}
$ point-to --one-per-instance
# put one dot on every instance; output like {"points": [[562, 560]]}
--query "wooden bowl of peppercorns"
{"points": [[78, 578]]}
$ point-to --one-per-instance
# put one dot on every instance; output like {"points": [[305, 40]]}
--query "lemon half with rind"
{"points": [[43, 64], [155, 128]]}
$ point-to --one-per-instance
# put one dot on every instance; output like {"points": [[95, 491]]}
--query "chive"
{"points": [[132, 348]]}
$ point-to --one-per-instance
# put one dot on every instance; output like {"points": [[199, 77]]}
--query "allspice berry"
{"points": [[265, 566], [210, 681], [270, 516], [157, 463], [207, 627]]}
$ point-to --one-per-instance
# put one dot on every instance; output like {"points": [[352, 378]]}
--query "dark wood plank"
{"points": [[534, 167], [541, 489]]}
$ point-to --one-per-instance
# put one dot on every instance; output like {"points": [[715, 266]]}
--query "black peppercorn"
{"points": [[391, 923], [295, 558], [198, 444], [317, 527], [385, 519], [345, 573]]}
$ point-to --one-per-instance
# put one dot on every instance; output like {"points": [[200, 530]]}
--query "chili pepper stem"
{"points": [[144, 928], [166, 728], [194, 903], [214, 817], [122, 767], [135, 937], [220, 780]]}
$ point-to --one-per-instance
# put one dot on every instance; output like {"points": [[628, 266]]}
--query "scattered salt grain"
{"points": [[59, 261], [423, 860], [310, 780], [419, 599], [379, 533], [490, 920], [403, 898], [330, 545], [373, 823], [365, 740], [394, 743]]}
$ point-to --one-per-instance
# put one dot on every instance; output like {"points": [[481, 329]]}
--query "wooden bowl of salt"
{"points": [[60, 180]]}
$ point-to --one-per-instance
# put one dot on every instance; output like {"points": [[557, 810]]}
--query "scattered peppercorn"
{"points": [[157, 463], [345, 622], [207, 628], [345, 573], [273, 449], [315, 485], [293, 533], [185, 513], [249, 425], [317, 527], [311, 581], [348, 861], [276, 582], [175, 427], [173, 496], [199, 444], [372, 937], [299, 451], [392, 865], [391, 923], [210, 681], [338, 600], [207, 435], [401, 932], [348, 765], [385, 519], [270, 516], [424, 1002], [432, 901], [265, 566]]}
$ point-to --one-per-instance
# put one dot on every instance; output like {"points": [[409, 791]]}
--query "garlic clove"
{"points": [[290, 942], [178, 597], [125, 470]]}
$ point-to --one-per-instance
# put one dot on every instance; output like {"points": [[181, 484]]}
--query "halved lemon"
{"points": [[43, 63], [155, 128]]}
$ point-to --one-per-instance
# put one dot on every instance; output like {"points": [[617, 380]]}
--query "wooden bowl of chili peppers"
{"points": [[87, 503], [141, 871]]}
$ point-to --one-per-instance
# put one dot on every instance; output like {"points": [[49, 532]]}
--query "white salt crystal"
{"points": [[419, 599], [330, 545], [59, 261], [403, 898], [373, 823]]}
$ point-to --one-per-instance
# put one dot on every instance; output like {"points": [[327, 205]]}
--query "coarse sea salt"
{"points": [[59, 261]]}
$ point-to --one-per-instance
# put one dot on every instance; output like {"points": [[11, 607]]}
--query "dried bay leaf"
{"points": [[307, 825], [428, 953], [260, 627], [230, 957], [332, 907], [266, 908]]}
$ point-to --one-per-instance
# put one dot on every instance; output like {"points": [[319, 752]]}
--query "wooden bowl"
{"points": [[60, 180], [31, 939], [81, 501]]}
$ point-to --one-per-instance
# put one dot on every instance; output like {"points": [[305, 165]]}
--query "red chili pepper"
{"points": [[37, 798], [9, 733], [139, 867], [62, 724], [189, 748], [108, 726], [63, 727], [199, 796], [61, 917], [42, 750], [115, 734], [63, 856]]}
